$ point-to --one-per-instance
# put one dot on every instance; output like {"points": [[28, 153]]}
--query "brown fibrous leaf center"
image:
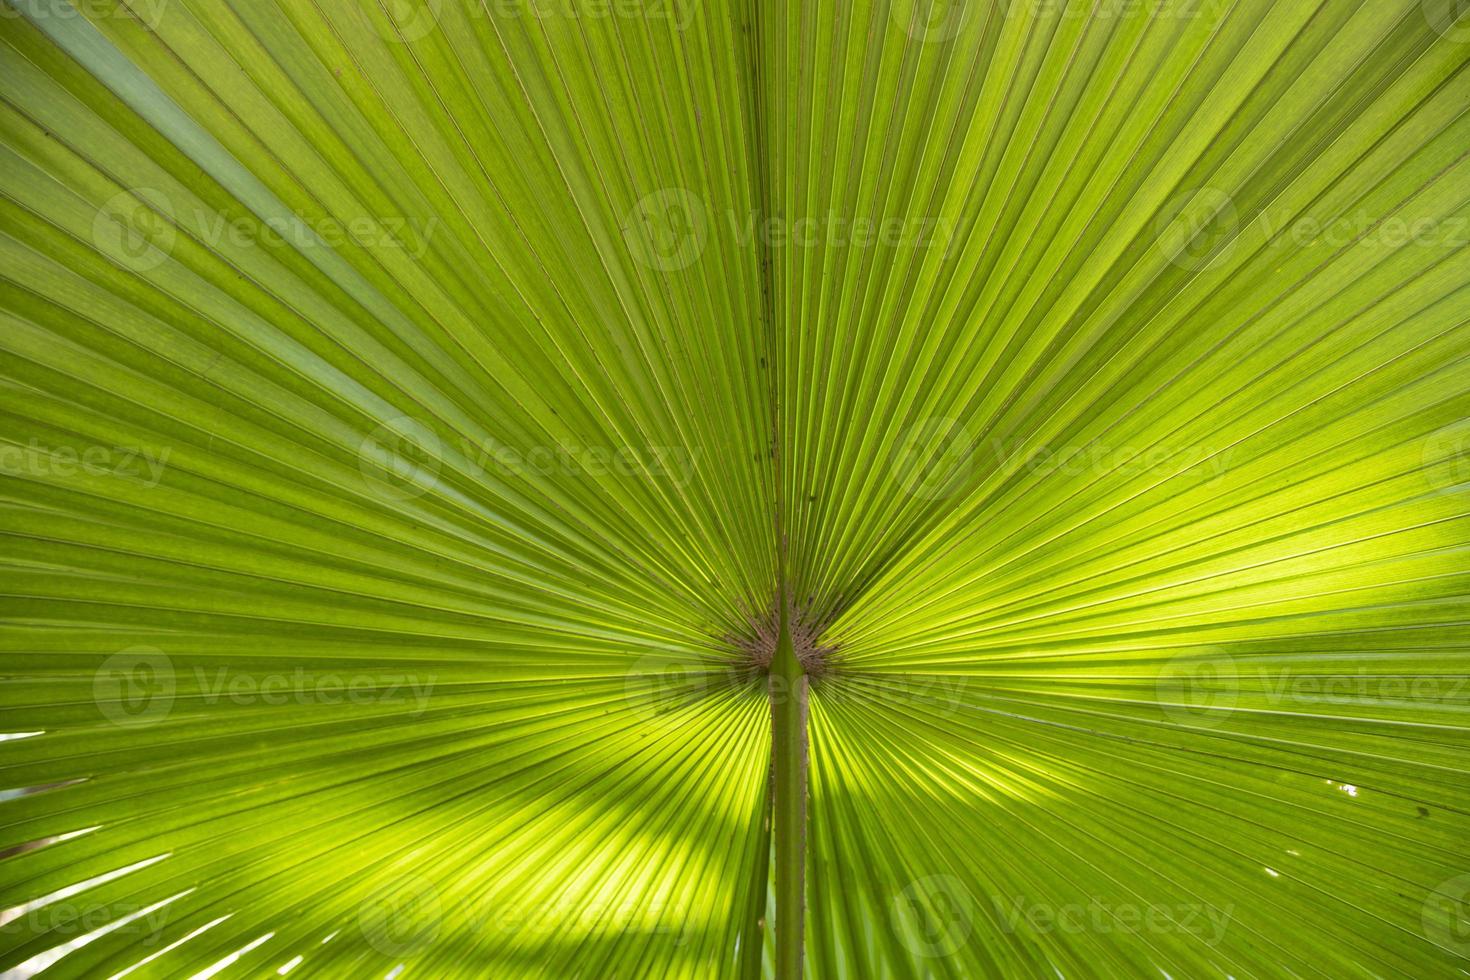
{"points": [[758, 643]]}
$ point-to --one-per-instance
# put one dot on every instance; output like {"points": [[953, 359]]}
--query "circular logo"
{"points": [[409, 20], [400, 917], [934, 916], [666, 230], [136, 228], [659, 684], [400, 459], [1198, 687], [934, 458], [1197, 229], [1445, 915], [932, 21], [1447, 458], [1449, 18], [135, 687]]}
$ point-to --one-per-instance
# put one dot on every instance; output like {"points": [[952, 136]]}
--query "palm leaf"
{"points": [[423, 419]]}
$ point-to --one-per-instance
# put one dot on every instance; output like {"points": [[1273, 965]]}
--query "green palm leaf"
{"points": [[427, 423]]}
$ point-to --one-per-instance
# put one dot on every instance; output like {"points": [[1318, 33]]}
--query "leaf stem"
{"points": [[787, 687]]}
